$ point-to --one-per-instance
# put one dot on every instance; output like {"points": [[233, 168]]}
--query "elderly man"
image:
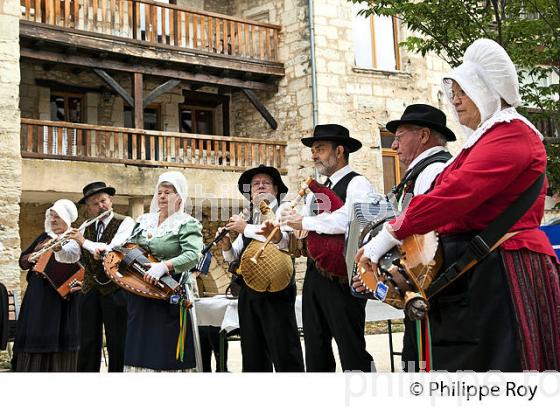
{"points": [[267, 320], [421, 136], [329, 310]]}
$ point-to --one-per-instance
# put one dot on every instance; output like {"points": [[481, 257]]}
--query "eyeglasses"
{"points": [[457, 94], [401, 134], [256, 184]]}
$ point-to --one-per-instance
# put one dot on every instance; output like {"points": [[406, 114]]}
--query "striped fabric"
{"points": [[46, 362], [535, 287]]}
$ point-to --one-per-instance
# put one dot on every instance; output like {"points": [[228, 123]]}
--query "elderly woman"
{"points": [[503, 314], [47, 329], [175, 239]]}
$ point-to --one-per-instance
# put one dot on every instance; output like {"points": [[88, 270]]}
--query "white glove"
{"points": [[380, 245], [157, 270], [284, 209]]}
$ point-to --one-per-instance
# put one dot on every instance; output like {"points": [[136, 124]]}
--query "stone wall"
{"points": [[10, 166]]}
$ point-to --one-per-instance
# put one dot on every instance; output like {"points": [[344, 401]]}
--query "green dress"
{"points": [[153, 325]]}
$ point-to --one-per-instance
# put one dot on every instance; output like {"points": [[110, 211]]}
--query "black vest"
{"points": [[95, 274], [409, 180], [342, 185]]}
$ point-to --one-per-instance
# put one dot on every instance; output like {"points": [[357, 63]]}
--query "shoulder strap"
{"points": [[411, 175], [489, 239]]}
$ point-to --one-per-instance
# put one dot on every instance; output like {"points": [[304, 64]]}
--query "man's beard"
{"points": [[326, 167]]}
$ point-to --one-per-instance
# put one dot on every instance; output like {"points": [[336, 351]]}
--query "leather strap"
{"points": [[488, 240]]}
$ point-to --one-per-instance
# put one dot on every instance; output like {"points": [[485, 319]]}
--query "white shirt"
{"points": [[428, 175], [250, 232], [70, 252], [332, 223], [123, 233]]}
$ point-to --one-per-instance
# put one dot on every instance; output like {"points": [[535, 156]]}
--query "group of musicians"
{"points": [[502, 314]]}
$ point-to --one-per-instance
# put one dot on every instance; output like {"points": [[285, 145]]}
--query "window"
{"points": [[152, 122], [393, 170], [376, 42], [66, 107], [63, 107], [197, 120]]}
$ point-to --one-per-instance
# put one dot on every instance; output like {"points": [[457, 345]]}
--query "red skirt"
{"points": [[535, 290]]}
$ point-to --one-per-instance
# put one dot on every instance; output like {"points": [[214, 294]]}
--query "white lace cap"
{"points": [[486, 76], [178, 180], [66, 210]]}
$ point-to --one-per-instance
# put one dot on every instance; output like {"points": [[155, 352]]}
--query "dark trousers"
{"points": [[98, 311], [329, 310], [210, 343], [269, 333]]}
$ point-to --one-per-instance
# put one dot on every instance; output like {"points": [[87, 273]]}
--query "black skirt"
{"points": [[47, 323], [472, 321], [152, 332]]}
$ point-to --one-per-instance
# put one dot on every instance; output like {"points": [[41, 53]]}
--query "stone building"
{"points": [[120, 90]]}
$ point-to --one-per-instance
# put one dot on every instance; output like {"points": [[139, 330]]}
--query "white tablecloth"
{"points": [[221, 312]]}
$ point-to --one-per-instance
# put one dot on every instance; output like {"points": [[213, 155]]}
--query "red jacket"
{"points": [[479, 185]]}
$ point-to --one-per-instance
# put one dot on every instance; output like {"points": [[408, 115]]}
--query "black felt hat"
{"points": [[333, 132], [95, 188], [247, 176], [425, 116]]}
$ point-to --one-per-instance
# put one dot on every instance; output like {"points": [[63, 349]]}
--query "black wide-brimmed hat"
{"points": [[333, 132], [425, 116], [95, 188], [247, 176]]}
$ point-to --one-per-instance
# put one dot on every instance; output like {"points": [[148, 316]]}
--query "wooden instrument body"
{"points": [[131, 279], [407, 271], [265, 268], [64, 277]]}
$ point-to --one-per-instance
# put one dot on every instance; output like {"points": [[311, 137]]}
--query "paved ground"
{"points": [[377, 346]]}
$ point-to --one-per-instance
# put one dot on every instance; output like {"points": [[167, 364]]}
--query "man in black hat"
{"points": [[329, 309], [99, 309], [267, 320], [421, 137]]}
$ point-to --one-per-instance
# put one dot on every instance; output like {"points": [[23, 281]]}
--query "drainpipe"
{"points": [[313, 66], [314, 104]]}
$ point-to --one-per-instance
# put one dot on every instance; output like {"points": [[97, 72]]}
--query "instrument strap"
{"points": [[488, 240]]}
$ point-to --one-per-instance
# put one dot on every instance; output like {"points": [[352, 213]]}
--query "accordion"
{"points": [[405, 272], [61, 276], [365, 214]]}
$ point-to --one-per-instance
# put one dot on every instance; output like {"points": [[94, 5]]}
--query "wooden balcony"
{"points": [[59, 31], [101, 144]]}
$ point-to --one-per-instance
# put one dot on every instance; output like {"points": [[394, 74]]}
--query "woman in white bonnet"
{"points": [[175, 239], [47, 329], [503, 314]]}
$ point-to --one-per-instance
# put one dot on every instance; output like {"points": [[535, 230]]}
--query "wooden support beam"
{"points": [[162, 89], [144, 68], [251, 96], [196, 86], [138, 105], [114, 85]]}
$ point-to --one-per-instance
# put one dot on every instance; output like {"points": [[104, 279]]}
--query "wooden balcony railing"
{"points": [[159, 23], [96, 143]]}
